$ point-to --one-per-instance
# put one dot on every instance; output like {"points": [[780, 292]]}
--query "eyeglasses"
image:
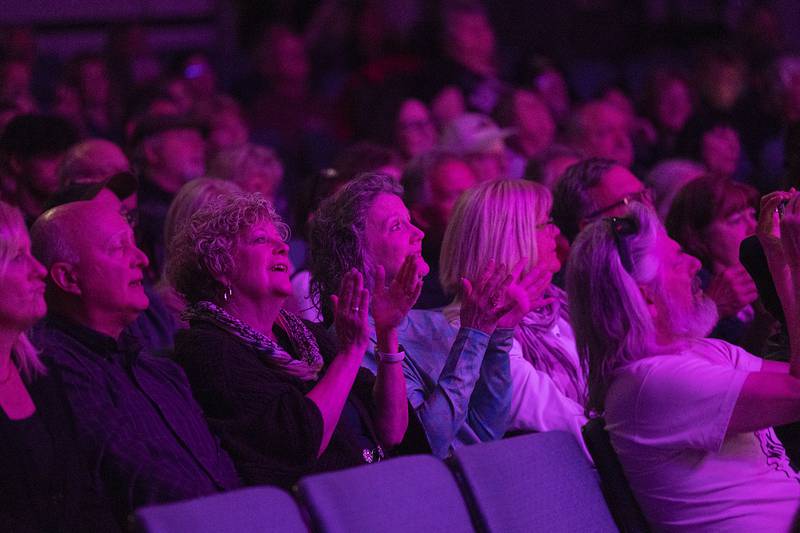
{"points": [[621, 228], [644, 196]]}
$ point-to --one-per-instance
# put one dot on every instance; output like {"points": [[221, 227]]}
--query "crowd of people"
{"points": [[207, 287]]}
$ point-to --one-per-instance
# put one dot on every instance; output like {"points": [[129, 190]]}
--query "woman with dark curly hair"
{"points": [[285, 399], [457, 379]]}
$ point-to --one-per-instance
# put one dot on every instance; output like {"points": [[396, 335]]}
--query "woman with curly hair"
{"points": [[285, 399], [457, 378]]}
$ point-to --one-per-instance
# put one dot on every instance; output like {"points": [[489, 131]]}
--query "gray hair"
{"points": [[338, 241], [203, 250], [571, 200], [417, 175], [608, 312]]}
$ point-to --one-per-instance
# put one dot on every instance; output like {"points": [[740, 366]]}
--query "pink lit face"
{"points": [[261, 265], [414, 129], [227, 130], [471, 36], [725, 235], [533, 120], [21, 286], [546, 235], [490, 164], [447, 182], [181, 153], [110, 266], [681, 307], [720, 149], [673, 105], [390, 235], [94, 82], [606, 134], [615, 185], [42, 173]]}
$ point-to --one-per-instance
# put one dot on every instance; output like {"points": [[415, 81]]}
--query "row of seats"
{"points": [[533, 482]]}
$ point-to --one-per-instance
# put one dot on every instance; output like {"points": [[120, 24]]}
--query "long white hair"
{"points": [[609, 315]]}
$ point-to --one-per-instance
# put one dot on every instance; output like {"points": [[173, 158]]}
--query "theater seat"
{"points": [[618, 493], [411, 494], [536, 482], [249, 510]]}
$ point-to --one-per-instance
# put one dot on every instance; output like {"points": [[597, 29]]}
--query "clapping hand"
{"points": [[350, 311], [485, 301], [526, 292], [391, 304]]}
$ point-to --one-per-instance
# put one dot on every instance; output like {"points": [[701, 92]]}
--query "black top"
{"points": [[135, 417], [46, 485], [261, 414]]}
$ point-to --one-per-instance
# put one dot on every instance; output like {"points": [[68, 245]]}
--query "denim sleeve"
{"points": [[490, 404], [443, 410]]}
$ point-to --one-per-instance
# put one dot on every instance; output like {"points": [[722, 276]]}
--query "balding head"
{"points": [[94, 277], [92, 161]]}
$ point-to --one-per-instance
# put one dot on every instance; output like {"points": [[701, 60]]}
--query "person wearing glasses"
{"points": [[510, 220], [710, 218], [595, 188], [689, 417]]}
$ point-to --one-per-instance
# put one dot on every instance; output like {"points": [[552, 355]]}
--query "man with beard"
{"points": [[690, 418]]}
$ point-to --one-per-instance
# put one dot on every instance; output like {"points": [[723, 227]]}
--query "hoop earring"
{"points": [[227, 294]]}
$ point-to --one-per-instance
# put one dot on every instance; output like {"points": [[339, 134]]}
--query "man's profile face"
{"points": [[110, 267]]}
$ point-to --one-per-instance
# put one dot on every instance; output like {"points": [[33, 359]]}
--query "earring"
{"points": [[226, 294]]}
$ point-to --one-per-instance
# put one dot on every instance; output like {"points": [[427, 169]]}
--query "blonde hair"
{"points": [[495, 220], [12, 231]]}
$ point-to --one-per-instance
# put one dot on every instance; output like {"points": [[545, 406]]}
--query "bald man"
{"points": [[135, 415]]}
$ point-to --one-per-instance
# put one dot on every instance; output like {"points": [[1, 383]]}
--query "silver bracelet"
{"points": [[389, 357]]}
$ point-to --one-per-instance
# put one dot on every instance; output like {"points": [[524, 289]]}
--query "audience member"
{"points": [[190, 198], [534, 128], [457, 382], [667, 178], [593, 188], [415, 132], [690, 418], [710, 218], [253, 168], [169, 151], [92, 161], [31, 149], [478, 140], [226, 126], [257, 370], [510, 220], [599, 129], [432, 183], [46, 483], [135, 415]]}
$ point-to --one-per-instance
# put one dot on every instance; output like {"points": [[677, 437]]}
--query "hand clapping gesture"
{"points": [[391, 304], [526, 292], [485, 301], [350, 311]]}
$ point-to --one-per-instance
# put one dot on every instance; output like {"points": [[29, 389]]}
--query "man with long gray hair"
{"points": [[690, 417]]}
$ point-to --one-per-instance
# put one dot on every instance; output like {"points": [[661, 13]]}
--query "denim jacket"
{"points": [[457, 380]]}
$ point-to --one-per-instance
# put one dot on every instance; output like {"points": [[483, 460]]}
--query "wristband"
{"points": [[389, 357]]}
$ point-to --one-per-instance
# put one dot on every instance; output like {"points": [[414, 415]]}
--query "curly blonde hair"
{"points": [[204, 249]]}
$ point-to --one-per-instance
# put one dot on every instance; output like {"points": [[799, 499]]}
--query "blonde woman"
{"points": [[45, 482], [510, 220]]}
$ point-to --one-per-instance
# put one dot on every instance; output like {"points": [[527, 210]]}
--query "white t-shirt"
{"points": [[668, 415]]}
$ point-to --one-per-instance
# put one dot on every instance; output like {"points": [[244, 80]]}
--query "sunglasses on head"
{"points": [[644, 196], [621, 228]]}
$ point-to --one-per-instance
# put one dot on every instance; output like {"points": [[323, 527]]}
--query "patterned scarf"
{"points": [[542, 350], [305, 368]]}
